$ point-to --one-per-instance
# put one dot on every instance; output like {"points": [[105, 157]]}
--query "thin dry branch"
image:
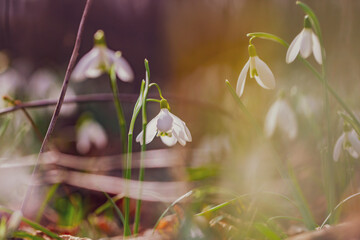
{"points": [[56, 113]]}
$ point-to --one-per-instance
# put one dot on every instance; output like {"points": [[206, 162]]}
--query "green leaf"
{"points": [[186, 195], [25, 235]]}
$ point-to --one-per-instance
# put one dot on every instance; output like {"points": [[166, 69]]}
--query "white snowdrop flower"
{"points": [[168, 127], [88, 133], [43, 84], [280, 115], [348, 140], [99, 60], [258, 70], [305, 43]]}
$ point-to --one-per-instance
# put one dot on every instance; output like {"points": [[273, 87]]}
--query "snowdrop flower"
{"points": [[258, 70], [100, 59], [305, 43], [348, 140], [44, 84], [282, 116], [90, 132], [167, 126]]}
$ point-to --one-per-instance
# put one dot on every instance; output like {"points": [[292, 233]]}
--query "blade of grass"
{"points": [[25, 235], [34, 225], [337, 206]]}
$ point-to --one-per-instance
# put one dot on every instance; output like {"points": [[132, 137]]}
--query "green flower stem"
{"points": [[290, 177], [153, 100], [143, 146], [137, 108], [119, 109], [127, 231], [158, 88]]}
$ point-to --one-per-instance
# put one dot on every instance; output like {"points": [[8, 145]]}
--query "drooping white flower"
{"points": [[258, 70], [280, 115], [305, 43], [90, 132], [43, 84], [99, 60], [168, 127], [348, 140]]}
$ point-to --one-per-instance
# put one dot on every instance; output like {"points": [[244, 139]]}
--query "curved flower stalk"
{"points": [[167, 126], [349, 141], [99, 60], [88, 133], [258, 70], [305, 43], [280, 115]]}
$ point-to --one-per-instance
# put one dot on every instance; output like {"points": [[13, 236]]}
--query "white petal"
{"points": [[287, 120], [265, 77], [184, 128], [354, 140], [97, 135], [179, 134], [316, 48], [338, 147], [83, 143], [294, 48], [87, 66], [241, 80], [123, 69], [352, 152], [306, 43], [151, 131], [169, 141], [271, 119], [165, 121]]}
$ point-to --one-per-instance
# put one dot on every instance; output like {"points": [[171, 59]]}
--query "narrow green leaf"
{"points": [[337, 206], [186, 195], [25, 235], [49, 195]]}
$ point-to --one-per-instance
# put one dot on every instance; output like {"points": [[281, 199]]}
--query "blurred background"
{"points": [[192, 47]]}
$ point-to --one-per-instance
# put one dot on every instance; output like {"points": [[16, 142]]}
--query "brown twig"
{"points": [[108, 97], [56, 113]]}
